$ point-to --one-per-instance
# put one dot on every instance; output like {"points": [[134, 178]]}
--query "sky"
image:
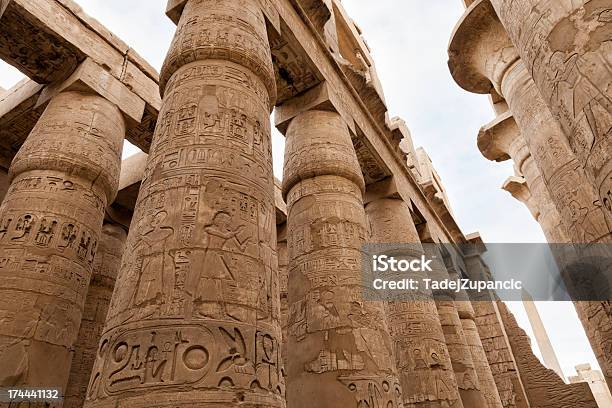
{"points": [[409, 41]]}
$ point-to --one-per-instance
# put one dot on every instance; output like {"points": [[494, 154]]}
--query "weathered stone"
{"points": [[543, 386], [565, 46], [105, 268], [340, 352], [492, 332], [461, 358], [199, 295], [477, 351], [421, 355], [62, 179]]}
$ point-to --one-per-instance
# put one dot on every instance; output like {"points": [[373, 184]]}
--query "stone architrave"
{"points": [[105, 268], [195, 321], [340, 351], [461, 357], [62, 179], [421, 355], [565, 45]]}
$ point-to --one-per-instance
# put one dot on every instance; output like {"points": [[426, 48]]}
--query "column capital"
{"points": [[319, 144], [518, 188], [321, 97], [480, 50], [500, 139], [90, 77]]}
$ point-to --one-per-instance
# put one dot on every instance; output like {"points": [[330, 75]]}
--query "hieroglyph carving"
{"points": [[567, 49], [196, 318], [50, 221], [421, 355], [340, 352]]}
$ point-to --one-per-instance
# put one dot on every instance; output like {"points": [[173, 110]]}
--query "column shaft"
{"points": [[566, 46], [105, 268], [479, 357], [340, 351], [195, 321], [461, 358], [567, 184], [421, 355], [62, 179], [575, 199]]}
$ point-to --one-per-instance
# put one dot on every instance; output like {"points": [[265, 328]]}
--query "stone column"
{"points": [[566, 46], [479, 356], [563, 175], [482, 60], [494, 339], [421, 355], [340, 351], [465, 371], [284, 303], [482, 57], [105, 268], [195, 321], [62, 179]]}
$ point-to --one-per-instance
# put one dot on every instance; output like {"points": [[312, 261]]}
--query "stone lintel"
{"points": [[386, 188], [90, 76], [2, 91], [401, 134], [476, 245], [18, 115], [477, 40], [48, 39], [321, 97], [496, 137]]}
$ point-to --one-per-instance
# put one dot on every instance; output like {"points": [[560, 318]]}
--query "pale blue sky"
{"points": [[408, 39]]}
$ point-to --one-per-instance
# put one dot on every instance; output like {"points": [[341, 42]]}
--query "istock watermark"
{"points": [[547, 272]]}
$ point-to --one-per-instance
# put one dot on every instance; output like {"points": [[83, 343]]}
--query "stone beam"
{"points": [[18, 115], [22, 105], [48, 39]]}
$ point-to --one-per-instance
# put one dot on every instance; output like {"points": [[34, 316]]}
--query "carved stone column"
{"points": [[340, 352], [573, 196], [62, 179], [483, 57], [494, 339], [477, 351], [195, 321], [421, 355], [470, 388], [566, 46], [105, 268]]}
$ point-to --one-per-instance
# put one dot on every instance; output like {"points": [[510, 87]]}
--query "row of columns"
{"points": [[196, 318], [553, 70]]}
